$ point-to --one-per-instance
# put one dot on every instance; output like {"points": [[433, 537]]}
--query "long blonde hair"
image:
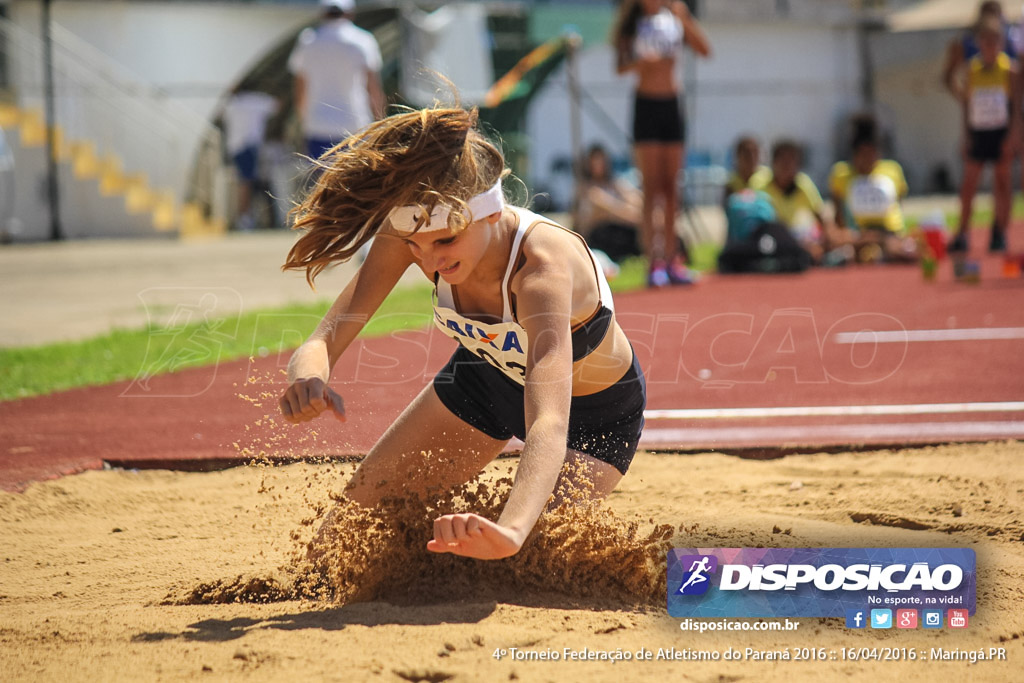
{"points": [[423, 157]]}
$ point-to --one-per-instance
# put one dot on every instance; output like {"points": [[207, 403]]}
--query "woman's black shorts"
{"points": [[986, 145], [658, 119], [605, 425]]}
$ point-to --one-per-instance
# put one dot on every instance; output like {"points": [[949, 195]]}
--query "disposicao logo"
{"points": [[818, 582]]}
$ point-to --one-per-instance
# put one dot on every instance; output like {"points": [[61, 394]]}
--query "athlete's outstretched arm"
{"points": [[544, 305], [952, 70], [625, 61], [310, 366], [693, 32]]}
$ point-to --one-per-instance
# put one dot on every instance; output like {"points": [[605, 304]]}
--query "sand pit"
{"points": [[97, 570]]}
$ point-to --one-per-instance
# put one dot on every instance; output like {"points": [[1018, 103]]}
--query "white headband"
{"points": [[405, 218]]}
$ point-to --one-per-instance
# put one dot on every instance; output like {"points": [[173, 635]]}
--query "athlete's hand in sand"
{"points": [[471, 535], [305, 399]]}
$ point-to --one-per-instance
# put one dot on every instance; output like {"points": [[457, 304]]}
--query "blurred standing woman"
{"points": [[649, 36]]}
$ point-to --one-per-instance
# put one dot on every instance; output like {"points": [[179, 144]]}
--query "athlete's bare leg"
{"points": [[585, 478], [426, 448]]}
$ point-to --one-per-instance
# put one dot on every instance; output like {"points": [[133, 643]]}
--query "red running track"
{"points": [[731, 342]]}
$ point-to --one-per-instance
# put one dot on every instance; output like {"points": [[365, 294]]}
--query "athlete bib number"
{"points": [[511, 369], [989, 109], [872, 197], [502, 345]]}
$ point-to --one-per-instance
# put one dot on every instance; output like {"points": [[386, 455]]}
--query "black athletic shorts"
{"points": [[605, 425], [986, 145], [658, 119]]}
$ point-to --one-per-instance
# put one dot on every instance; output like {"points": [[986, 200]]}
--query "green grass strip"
{"points": [[981, 217], [155, 350]]}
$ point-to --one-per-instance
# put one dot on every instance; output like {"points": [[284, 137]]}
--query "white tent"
{"points": [[942, 14], [453, 41]]}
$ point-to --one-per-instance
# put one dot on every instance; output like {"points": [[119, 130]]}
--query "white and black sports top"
{"points": [[504, 344], [658, 35]]}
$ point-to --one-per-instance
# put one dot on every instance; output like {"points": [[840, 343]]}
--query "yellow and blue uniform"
{"points": [[989, 89], [756, 180], [798, 207], [871, 200]]}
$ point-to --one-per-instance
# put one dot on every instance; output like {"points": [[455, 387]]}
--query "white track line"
{"points": [[808, 435], [905, 336], [818, 411]]}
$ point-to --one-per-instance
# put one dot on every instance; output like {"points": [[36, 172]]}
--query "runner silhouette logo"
{"points": [[697, 578]]}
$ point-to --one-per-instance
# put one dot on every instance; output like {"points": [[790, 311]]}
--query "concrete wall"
{"points": [[924, 119], [785, 79], [770, 75], [141, 81], [193, 51], [774, 79]]}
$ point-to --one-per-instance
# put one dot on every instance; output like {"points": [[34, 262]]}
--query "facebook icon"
{"points": [[856, 618]]}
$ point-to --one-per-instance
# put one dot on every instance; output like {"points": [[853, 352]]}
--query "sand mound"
{"points": [[86, 563], [576, 551]]}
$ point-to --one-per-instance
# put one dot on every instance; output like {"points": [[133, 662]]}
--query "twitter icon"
{"points": [[881, 618]]}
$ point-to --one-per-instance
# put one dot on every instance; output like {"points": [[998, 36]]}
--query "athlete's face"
{"points": [[453, 254], [748, 156], [864, 158], [598, 165], [785, 166], [990, 44], [651, 6]]}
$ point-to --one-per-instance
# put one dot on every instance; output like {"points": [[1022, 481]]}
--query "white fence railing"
{"points": [[101, 102]]}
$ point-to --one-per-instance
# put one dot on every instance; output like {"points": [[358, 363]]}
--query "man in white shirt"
{"points": [[336, 66], [245, 118]]}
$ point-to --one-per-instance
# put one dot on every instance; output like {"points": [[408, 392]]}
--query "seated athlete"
{"points": [[747, 172], [540, 355], [607, 210], [867, 192], [797, 202]]}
